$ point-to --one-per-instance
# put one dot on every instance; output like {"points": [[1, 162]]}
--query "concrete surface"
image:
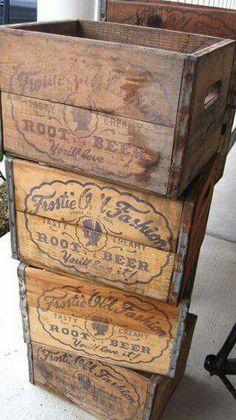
{"points": [[222, 220], [198, 396]]}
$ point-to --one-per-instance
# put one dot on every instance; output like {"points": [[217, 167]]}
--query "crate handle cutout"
{"points": [[213, 93]]}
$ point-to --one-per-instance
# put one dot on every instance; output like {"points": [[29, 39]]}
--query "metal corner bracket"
{"points": [[150, 398], [179, 271], [30, 362], [11, 205], [179, 337], [102, 10], [23, 302]]}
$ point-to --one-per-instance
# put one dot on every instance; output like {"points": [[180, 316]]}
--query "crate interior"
{"points": [[180, 42]]}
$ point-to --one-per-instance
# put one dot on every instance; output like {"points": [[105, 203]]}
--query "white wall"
{"points": [[88, 9], [67, 9]]}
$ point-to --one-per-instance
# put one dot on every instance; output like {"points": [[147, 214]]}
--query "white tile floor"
{"points": [[214, 300]]}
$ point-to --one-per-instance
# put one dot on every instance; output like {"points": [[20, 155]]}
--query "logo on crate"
{"points": [[86, 373], [99, 328], [92, 138], [82, 379], [92, 237], [90, 326], [84, 139], [103, 210], [138, 88], [97, 255]]}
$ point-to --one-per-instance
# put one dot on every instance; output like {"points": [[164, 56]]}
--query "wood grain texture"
{"points": [[87, 141], [96, 321], [122, 212], [214, 69], [121, 237], [180, 17], [124, 238], [99, 75], [216, 22], [173, 81], [104, 390], [46, 243], [75, 224], [166, 386]]}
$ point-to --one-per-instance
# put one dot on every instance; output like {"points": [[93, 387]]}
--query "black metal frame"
{"points": [[220, 365]]}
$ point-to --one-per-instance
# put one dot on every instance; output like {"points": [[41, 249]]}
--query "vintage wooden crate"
{"points": [[107, 391], [75, 99], [96, 321], [125, 238], [199, 19]]}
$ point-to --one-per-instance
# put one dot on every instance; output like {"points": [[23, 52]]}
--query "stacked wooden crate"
{"points": [[112, 134], [210, 21]]}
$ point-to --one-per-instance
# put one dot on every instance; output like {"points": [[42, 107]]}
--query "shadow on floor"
{"points": [[201, 397]]}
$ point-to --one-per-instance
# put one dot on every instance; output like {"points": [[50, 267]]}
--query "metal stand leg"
{"points": [[220, 365]]}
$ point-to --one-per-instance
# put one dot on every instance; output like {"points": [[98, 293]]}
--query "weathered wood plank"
{"points": [[166, 386], [210, 91], [216, 22], [99, 76], [121, 149], [180, 17], [165, 40], [75, 224], [124, 238], [60, 246], [122, 212], [104, 390], [109, 392], [109, 325]]}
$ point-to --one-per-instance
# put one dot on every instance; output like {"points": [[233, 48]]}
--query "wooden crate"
{"points": [[198, 19], [96, 321], [140, 106], [106, 391], [125, 238]]}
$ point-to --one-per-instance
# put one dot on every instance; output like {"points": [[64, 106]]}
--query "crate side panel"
{"points": [[65, 312], [119, 79], [124, 150]]}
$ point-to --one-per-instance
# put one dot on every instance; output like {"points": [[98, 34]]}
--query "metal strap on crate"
{"points": [[232, 140], [102, 10], [11, 206]]}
